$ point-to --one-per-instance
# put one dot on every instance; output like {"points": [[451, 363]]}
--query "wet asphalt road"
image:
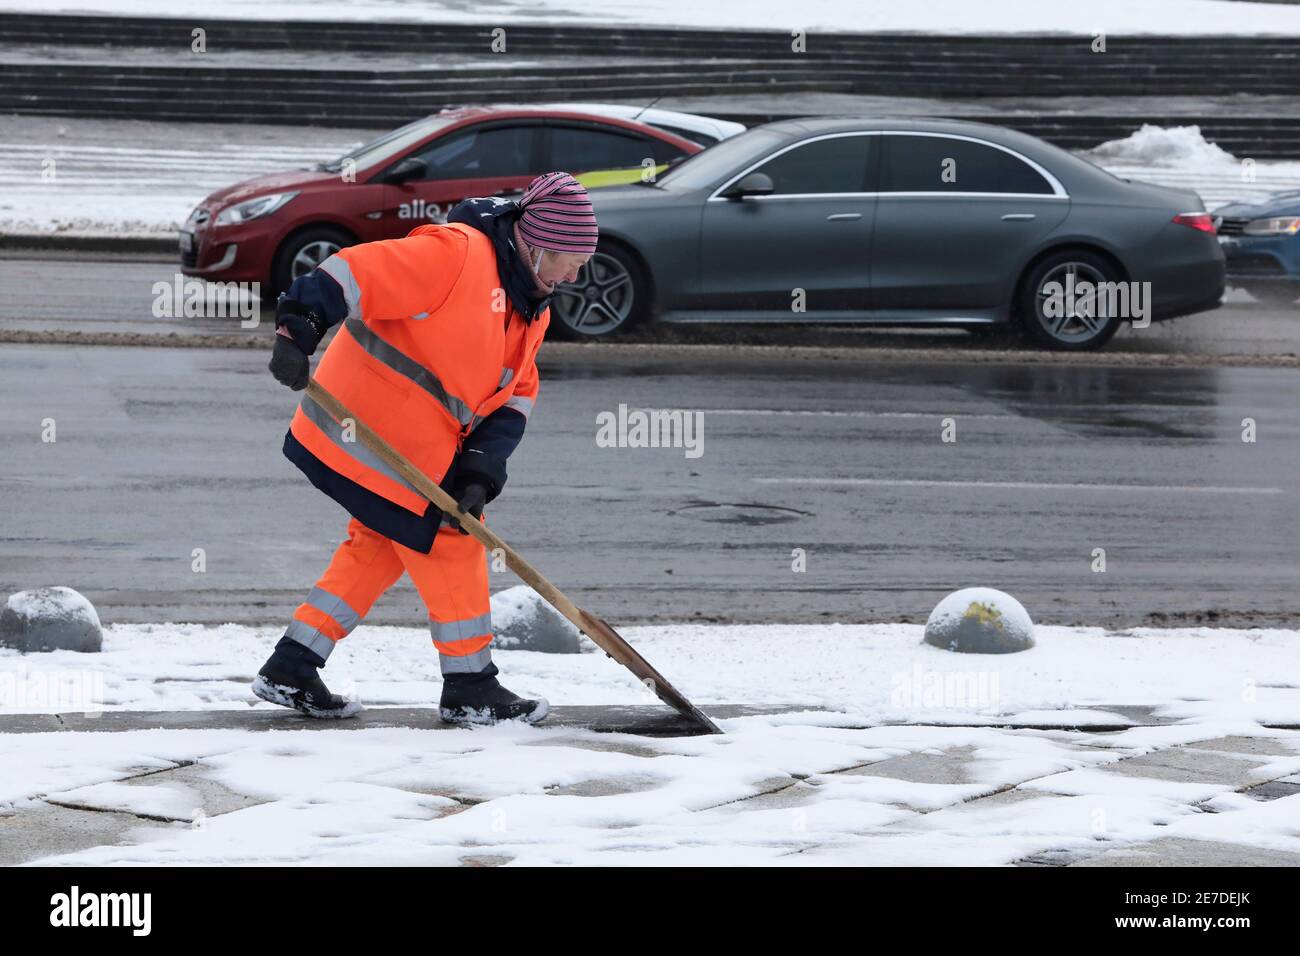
{"points": [[93, 292], [162, 451]]}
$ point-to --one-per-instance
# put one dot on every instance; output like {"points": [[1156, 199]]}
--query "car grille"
{"points": [[1232, 226], [190, 259]]}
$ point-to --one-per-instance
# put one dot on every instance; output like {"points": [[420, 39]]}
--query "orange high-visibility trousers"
{"points": [[452, 580]]}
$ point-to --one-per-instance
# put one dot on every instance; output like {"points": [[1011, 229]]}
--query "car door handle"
{"points": [[843, 216], [1018, 217]]}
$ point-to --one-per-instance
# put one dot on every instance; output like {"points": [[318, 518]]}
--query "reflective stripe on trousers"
{"points": [[452, 580], [321, 620], [463, 645]]}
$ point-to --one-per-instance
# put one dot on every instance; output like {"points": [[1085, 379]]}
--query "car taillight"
{"points": [[1196, 220]]}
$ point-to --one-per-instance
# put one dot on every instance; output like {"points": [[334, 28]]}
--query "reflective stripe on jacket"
{"points": [[432, 356]]}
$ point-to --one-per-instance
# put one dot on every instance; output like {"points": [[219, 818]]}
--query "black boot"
{"points": [[480, 699], [289, 678]]}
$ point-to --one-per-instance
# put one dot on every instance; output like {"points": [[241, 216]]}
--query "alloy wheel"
{"points": [[601, 298]]}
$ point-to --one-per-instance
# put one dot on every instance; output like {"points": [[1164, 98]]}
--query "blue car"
{"points": [[1261, 242]]}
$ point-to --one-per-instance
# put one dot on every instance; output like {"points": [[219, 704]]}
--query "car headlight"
{"points": [[1276, 226], [253, 208]]}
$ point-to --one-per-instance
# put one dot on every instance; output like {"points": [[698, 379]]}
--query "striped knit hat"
{"points": [[557, 215]]}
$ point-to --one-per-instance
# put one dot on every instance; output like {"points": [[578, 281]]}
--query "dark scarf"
{"points": [[496, 218]]}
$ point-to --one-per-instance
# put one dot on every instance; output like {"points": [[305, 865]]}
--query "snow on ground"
{"points": [[1115, 17], [874, 672], [146, 183], [549, 796], [131, 190], [552, 795]]}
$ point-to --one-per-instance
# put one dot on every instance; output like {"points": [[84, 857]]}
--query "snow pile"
{"points": [[1162, 147], [1182, 158]]}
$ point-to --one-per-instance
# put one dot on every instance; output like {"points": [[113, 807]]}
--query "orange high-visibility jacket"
{"points": [[431, 346]]}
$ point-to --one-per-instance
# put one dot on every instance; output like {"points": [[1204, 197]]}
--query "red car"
{"points": [[277, 227]]}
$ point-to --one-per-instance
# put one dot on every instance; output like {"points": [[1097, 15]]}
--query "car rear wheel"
{"points": [[1053, 320], [1274, 293], [303, 252], [611, 295]]}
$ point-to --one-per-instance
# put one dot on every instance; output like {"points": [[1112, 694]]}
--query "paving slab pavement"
{"points": [[1181, 852], [907, 794], [647, 721], [39, 828], [1185, 764]]}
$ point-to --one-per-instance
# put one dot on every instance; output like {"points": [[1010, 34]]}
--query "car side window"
{"points": [[578, 149], [481, 153], [835, 165], [938, 164]]}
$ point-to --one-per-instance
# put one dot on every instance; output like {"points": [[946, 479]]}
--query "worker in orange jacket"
{"points": [[437, 354]]}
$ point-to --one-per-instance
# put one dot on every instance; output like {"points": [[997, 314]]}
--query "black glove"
{"points": [[304, 326], [471, 497], [289, 364]]}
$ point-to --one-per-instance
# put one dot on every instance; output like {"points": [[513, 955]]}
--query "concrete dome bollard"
{"points": [[50, 619], [980, 621]]}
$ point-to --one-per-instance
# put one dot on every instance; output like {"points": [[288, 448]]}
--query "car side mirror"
{"points": [[410, 168], [755, 184]]}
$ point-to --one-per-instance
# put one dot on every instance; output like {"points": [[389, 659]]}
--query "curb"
{"points": [[647, 720], [74, 243], [641, 352]]}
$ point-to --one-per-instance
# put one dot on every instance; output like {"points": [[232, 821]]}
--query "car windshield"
{"points": [[717, 162], [389, 145]]}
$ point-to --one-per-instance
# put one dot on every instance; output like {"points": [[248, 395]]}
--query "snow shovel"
{"points": [[606, 638]]}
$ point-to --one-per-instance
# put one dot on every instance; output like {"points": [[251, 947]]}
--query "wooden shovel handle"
{"points": [[604, 636]]}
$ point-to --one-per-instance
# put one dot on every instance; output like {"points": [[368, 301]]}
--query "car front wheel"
{"points": [[302, 253], [1055, 319]]}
